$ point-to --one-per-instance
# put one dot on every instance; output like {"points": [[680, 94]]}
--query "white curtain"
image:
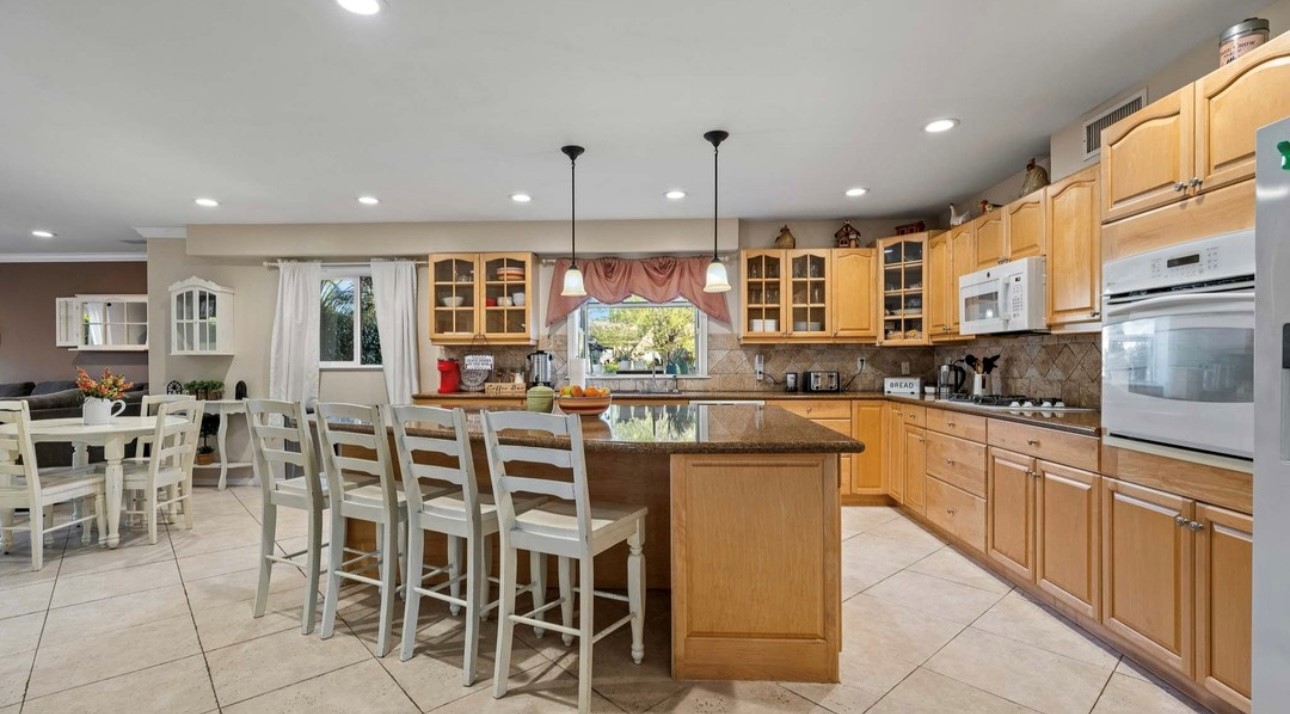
{"points": [[394, 289], [293, 362]]}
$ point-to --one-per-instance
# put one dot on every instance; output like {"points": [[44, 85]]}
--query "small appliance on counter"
{"points": [[540, 368], [950, 380], [902, 386], [816, 381], [790, 382], [449, 376]]}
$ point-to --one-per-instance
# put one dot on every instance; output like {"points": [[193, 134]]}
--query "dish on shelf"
{"points": [[913, 334], [453, 301], [514, 273], [758, 326], [814, 326]]}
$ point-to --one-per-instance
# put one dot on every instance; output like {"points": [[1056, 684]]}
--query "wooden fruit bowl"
{"points": [[584, 406]]}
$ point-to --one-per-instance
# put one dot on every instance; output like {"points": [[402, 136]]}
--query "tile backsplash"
{"points": [[1037, 365]]}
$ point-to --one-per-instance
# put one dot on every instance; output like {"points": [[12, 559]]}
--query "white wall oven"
{"points": [[1178, 346]]}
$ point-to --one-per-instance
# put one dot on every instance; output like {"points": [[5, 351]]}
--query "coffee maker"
{"points": [[540, 368]]}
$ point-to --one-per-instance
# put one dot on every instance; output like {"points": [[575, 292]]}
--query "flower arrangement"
{"points": [[109, 386]]}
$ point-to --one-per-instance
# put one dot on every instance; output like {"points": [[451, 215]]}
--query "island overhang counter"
{"points": [[743, 527]]}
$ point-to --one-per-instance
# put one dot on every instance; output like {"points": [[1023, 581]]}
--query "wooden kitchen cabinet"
{"points": [[764, 318], [855, 311], [1232, 103], [1147, 158], [939, 274], [832, 414], [915, 463], [1010, 499], [902, 276], [462, 284], [1068, 536], [1074, 249], [1224, 577], [1148, 571], [867, 426], [963, 261], [807, 292], [958, 512], [990, 245], [893, 449], [1025, 227]]}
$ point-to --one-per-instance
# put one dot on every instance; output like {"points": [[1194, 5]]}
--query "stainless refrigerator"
{"points": [[1271, 654]]}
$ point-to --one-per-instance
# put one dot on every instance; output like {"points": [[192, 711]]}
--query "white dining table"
{"points": [[112, 437]]}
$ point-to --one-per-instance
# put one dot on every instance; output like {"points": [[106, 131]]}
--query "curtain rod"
{"points": [[551, 258], [271, 264]]}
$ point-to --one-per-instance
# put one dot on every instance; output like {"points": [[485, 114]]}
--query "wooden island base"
{"points": [[749, 544]]}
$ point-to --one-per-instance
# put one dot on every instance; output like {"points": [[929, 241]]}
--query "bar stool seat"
{"points": [[611, 524]]}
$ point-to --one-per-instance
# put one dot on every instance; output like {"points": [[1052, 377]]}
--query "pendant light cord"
{"points": [[573, 212], [716, 168]]}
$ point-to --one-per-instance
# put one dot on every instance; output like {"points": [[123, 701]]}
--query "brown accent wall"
{"points": [[27, 292]]}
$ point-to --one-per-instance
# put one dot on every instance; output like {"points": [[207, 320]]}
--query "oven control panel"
{"points": [[1216, 258]]}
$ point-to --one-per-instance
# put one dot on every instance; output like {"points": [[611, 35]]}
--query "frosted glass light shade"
{"points": [[573, 286], [717, 281]]}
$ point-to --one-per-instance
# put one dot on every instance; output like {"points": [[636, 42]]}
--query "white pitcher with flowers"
{"points": [[102, 396]]}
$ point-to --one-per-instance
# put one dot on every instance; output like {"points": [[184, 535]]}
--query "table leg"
{"points": [[6, 514], [114, 452], [222, 439], [81, 459]]}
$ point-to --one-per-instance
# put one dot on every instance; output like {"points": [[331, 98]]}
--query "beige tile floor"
{"points": [[168, 628]]}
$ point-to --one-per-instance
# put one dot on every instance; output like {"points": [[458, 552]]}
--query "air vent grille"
{"points": [[1093, 127]]}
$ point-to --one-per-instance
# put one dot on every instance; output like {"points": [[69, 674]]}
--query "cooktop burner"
{"points": [[1013, 401]]}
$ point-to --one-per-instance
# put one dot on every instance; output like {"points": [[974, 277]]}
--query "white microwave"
{"points": [[1010, 297]]}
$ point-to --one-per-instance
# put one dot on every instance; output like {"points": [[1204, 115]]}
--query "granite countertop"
{"points": [[762, 395], [685, 429], [1087, 422]]}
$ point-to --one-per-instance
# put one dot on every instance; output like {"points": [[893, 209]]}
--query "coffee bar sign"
{"points": [[902, 386]]}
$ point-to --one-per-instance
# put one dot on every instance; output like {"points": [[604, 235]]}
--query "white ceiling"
{"points": [[117, 114]]}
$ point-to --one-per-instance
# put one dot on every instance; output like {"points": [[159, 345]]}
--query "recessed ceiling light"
{"points": [[939, 125], [675, 194], [361, 7], [206, 202], [43, 234], [857, 191], [521, 197], [369, 200]]}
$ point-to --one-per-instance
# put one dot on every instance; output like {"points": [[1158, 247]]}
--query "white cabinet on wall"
{"points": [[201, 318], [102, 323], [67, 316]]}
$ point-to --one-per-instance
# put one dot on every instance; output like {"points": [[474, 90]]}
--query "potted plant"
{"points": [[214, 389], [196, 389], [102, 396]]}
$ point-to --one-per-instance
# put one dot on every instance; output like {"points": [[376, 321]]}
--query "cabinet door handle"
{"points": [[949, 462], [1180, 187], [949, 511], [949, 424], [1095, 313], [1195, 182], [1180, 521], [1031, 472], [1032, 442], [1195, 527]]}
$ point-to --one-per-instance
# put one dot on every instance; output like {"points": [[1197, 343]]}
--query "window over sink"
{"points": [[640, 338]]}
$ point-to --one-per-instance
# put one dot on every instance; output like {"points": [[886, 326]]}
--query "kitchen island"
{"points": [[743, 527]]}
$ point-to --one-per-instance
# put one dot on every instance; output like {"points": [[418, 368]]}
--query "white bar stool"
{"points": [[461, 513], [381, 504], [274, 425], [570, 528]]}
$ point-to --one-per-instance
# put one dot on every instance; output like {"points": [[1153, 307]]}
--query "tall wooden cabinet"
{"points": [[1074, 249], [482, 296]]}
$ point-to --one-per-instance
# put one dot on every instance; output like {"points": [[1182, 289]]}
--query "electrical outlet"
{"points": [[904, 369], [860, 363], [759, 367]]}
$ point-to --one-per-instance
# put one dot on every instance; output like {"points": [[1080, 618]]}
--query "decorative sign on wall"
{"points": [[481, 362], [902, 386]]}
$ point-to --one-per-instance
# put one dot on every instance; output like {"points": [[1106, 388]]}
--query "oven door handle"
{"points": [[1180, 304]]}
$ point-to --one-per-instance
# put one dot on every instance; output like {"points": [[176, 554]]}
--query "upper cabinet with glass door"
{"points": [[485, 297], [808, 293], [903, 277], [201, 318], [103, 323], [763, 301]]}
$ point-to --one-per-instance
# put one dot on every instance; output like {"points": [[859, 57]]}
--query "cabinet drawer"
{"points": [[915, 415], [958, 462], [957, 511], [1048, 444], [816, 408], [957, 424]]}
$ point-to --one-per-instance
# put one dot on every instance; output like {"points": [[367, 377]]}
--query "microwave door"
{"points": [[981, 307]]}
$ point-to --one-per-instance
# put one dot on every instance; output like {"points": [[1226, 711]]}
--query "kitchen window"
{"points": [[347, 331], [637, 337]]}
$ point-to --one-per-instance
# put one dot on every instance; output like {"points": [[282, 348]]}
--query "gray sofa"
{"points": [[61, 400]]}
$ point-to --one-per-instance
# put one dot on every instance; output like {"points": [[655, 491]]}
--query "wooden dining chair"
{"points": [[568, 526], [365, 451], [438, 469], [169, 466], [24, 485]]}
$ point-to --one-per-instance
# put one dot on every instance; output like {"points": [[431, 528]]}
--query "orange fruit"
{"points": [[577, 391]]}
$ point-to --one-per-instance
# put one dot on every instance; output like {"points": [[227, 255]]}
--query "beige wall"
{"points": [[1067, 145], [27, 327]]}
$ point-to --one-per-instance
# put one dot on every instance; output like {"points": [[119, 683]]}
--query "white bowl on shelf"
{"points": [[454, 301], [758, 325], [814, 326], [771, 325]]}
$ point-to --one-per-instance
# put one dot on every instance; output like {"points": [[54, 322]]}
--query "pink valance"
{"points": [[612, 280]]}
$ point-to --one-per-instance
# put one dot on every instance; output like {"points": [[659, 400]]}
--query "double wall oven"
{"points": [[1178, 347]]}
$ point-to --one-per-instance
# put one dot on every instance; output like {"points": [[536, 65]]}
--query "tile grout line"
{"points": [[22, 702], [210, 679], [1102, 692]]}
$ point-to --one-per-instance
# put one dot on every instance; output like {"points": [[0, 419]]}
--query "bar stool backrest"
{"points": [[275, 426], [447, 443], [368, 453], [504, 458]]}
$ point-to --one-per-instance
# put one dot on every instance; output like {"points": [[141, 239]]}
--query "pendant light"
{"points": [[573, 286], [717, 280]]}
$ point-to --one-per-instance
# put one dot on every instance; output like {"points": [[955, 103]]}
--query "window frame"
{"points": [[356, 362], [577, 339]]}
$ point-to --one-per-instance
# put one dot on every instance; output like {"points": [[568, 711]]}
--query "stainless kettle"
{"points": [[540, 368]]}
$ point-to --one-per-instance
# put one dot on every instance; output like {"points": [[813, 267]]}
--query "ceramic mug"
{"points": [[518, 299], [96, 412]]}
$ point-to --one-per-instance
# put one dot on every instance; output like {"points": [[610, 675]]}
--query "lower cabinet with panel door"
{"points": [[1224, 578], [915, 463], [893, 450], [867, 426]]}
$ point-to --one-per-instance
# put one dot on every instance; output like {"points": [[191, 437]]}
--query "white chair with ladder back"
{"points": [[569, 527], [440, 453], [25, 485], [275, 427], [346, 454], [169, 466], [148, 407]]}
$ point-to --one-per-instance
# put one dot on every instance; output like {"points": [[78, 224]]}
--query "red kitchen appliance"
{"points": [[449, 376]]}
